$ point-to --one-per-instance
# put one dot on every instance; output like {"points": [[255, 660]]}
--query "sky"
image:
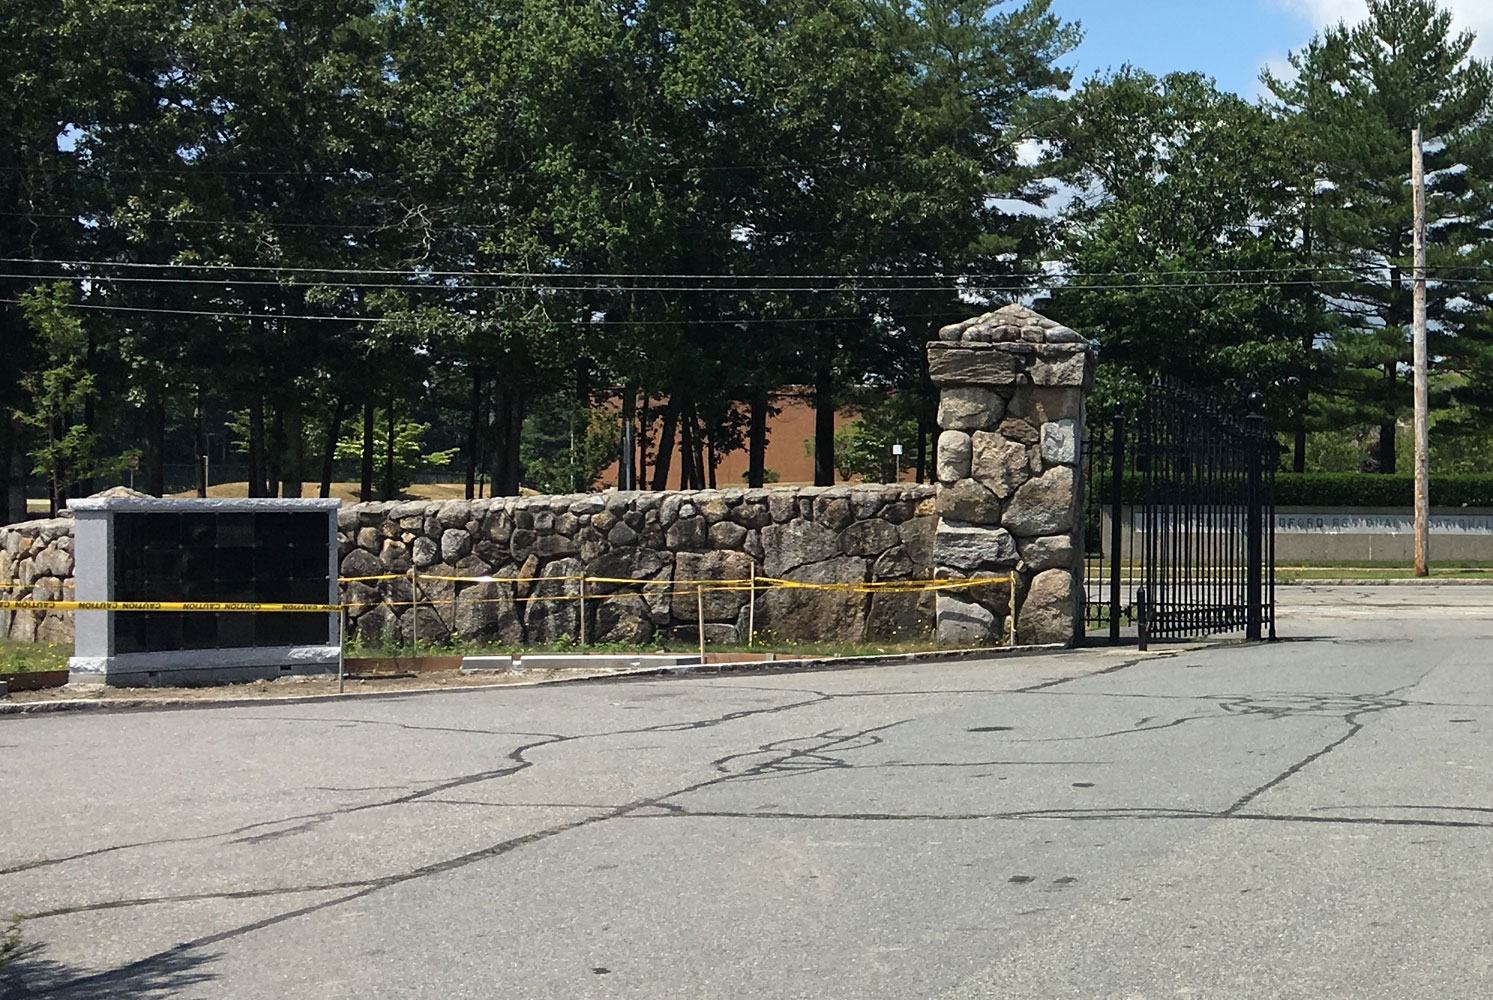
{"points": [[1230, 40]]}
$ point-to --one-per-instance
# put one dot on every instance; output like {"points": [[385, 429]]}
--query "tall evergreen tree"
{"points": [[1360, 90]]}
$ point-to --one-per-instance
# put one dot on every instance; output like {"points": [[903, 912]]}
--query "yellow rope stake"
{"points": [[752, 610], [1012, 594], [583, 611], [414, 610], [700, 620]]}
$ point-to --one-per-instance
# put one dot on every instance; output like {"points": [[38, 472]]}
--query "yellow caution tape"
{"points": [[163, 606]]}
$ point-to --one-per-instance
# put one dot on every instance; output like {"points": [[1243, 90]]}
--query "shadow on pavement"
{"points": [[162, 975]]}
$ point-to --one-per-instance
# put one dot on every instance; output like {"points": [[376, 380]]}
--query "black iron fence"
{"points": [[1179, 519]]}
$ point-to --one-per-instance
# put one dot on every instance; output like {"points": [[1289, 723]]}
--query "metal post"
{"points": [[1254, 518], [700, 618], [341, 647], [1116, 502], [1143, 618], [752, 610]]}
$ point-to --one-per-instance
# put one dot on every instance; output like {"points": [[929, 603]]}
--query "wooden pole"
{"points": [[1422, 376]]}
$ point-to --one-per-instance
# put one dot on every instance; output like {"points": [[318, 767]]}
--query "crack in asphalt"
{"points": [[518, 761], [825, 750], [1366, 705]]}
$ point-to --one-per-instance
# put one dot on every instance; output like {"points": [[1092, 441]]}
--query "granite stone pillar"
{"points": [[1011, 406]]}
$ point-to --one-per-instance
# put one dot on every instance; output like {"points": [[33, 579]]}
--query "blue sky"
{"points": [[1230, 40]]}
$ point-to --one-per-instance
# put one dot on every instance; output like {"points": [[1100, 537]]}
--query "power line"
{"points": [[556, 276], [218, 314]]}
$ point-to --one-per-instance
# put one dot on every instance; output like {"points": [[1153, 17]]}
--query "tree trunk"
{"points": [[626, 474], [84, 486], [329, 456], [275, 452], [515, 441], [1387, 448], [686, 446], [710, 458], [645, 425], [922, 471], [390, 486], [155, 447], [1388, 430], [13, 472], [824, 432], [665, 450], [257, 472], [507, 436], [1298, 459], [199, 447], [757, 441], [292, 469], [474, 433], [365, 486], [7, 480], [697, 438]]}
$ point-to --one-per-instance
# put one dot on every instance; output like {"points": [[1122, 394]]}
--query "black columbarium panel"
{"points": [[278, 557]]}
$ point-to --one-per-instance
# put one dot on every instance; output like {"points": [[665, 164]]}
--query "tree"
{"points": [[863, 447], [1182, 245], [1360, 90], [403, 441], [64, 451]]}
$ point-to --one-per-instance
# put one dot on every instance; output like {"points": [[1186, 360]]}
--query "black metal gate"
{"points": [[1180, 515]]}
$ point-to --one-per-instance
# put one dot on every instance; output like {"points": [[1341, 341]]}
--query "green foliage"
{"points": [[63, 453], [1359, 91], [1364, 490], [28, 657], [863, 448], [410, 456], [566, 445]]}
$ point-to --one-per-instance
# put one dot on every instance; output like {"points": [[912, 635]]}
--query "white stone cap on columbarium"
{"points": [[212, 505], [1012, 385]]}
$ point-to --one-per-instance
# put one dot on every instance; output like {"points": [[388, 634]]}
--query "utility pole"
{"points": [[1422, 379]]}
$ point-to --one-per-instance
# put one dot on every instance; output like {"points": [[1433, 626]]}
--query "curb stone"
{"points": [[1388, 582]]}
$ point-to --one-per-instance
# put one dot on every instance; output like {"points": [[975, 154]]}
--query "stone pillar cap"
{"points": [[1010, 325]]}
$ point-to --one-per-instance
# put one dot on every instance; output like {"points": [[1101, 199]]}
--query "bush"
{"points": [[1351, 489], [1348, 489]]}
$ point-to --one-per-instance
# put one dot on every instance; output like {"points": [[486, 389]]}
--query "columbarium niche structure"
{"points": [[1011, 406], [204, 551]]}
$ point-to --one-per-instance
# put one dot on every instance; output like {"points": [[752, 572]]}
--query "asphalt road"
{"points": [[1312, 818]]}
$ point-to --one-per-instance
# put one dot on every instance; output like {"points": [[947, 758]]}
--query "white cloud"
{"points": [[1474, 14]]}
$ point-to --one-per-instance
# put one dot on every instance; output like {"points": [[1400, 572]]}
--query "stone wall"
{"points": [[842, 534], [848, 534], [36, 564]]}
